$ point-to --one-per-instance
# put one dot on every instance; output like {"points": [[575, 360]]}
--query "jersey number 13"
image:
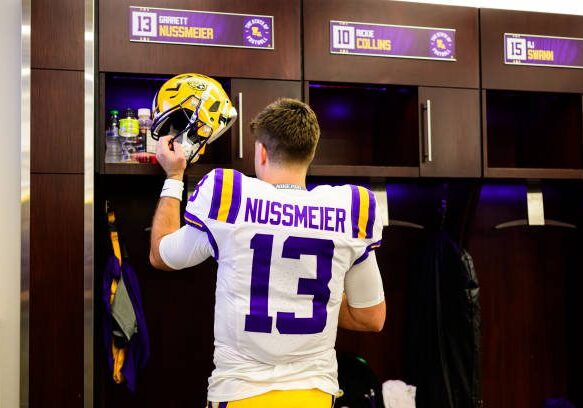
{"points": [[258, 320]]}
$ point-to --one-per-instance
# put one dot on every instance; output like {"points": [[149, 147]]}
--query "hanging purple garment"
{"points": [[138, 347]]}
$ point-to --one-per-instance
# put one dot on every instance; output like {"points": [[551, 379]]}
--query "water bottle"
{"points": [[145, 130], [112, 145], [129, 134]]}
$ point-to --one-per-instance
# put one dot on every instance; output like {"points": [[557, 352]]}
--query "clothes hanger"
{"points": [[536, 214], [380, 192]]}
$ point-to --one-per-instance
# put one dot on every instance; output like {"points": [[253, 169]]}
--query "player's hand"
{"points": [[172, 159]]}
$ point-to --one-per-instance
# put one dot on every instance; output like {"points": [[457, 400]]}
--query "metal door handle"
{"points": [[429, 153], [240, 125]]}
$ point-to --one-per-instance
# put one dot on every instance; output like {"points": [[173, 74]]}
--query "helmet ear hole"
{"points": [[215, 106]]}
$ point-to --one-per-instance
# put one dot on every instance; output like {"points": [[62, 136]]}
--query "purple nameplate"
{"points": [[542, 50], [168, 26], [384, 40]]}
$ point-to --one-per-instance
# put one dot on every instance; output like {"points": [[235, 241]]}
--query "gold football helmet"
{"points": [[195, 110]]}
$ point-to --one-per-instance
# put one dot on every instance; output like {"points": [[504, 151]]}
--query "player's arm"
{"points": [[363, 304], [167, 215], [184, 248], [166, 221]]}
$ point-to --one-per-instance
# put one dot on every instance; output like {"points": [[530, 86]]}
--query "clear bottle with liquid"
{"points": [[112, 144], [129, 135], [144, 118]]}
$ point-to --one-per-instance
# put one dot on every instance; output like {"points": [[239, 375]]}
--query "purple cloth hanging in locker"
{"points": [[138, 348]]}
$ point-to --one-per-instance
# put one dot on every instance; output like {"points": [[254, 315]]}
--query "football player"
{"points": [[293, 264]]}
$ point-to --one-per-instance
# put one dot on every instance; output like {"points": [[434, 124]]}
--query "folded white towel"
{"points": [[397, 394]]}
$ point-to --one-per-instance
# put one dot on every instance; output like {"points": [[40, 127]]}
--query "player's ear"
{"points": [[262, 153]]}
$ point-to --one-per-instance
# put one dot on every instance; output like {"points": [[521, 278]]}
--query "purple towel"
{"points": [[138, 349]]}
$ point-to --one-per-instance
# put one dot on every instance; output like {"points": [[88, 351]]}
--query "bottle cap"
{"points": [[114, 112], [144, 112], [129, 113]]}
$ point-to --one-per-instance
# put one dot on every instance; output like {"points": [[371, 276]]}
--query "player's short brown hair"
{"points": [[289, 130]]}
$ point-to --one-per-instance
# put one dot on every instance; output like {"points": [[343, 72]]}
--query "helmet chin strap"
{"points": [[191, 157], [194, 156]]}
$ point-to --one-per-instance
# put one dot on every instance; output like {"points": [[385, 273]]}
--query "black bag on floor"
{"points": [[360, 385]]}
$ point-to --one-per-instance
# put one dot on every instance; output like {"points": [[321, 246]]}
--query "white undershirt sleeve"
{"points": [[363, 284], [185, 248]]}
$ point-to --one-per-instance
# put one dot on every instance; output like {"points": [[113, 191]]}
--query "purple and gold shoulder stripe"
{"points": [[199, 224], [226, 199], [367, 250], [363, 212]]}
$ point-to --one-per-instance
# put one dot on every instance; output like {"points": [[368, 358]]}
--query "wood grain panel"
{"points": [[522, 273], [118, 54], [320, 65], [57, 34], [501, 172], [574, 331], [497, 75], [56, 291], [455, 124], [257, 94], [57, 137], [362, 171]]}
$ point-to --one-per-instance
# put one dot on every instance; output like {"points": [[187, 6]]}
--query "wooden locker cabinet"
{"points": [[383, 131], [233, 149], [321, 65], [120, 91], [530, 295], [118, 54], [255, 94], [455, 116], [182, 296], [532, 134], [531, 115], [450, 132], [366, 130], [498, 75]]}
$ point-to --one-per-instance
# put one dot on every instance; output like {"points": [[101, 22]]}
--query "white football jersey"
{"points": [[283, 254]]}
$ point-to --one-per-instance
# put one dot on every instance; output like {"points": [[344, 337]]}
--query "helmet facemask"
{"points": [[193, 109], [185, 128]]}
